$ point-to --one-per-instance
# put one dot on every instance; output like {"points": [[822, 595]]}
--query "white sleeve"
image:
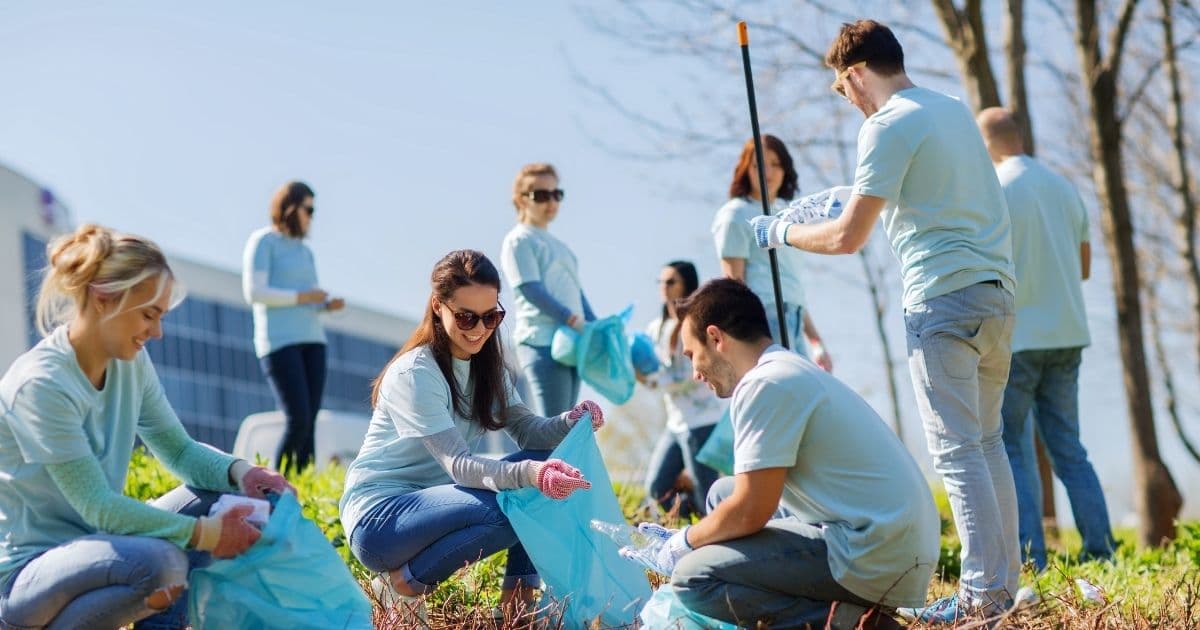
{"points": [[256, 267]]}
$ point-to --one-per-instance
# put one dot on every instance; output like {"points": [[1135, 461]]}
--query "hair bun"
{"points": [[76, 258]]}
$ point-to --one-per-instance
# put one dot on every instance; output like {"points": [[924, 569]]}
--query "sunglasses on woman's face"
{"points": [[542, 196], [466, 320], [669, 282]]}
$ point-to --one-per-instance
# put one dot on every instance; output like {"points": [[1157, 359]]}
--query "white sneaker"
{"points": [[399, 608], [1026, 598]]}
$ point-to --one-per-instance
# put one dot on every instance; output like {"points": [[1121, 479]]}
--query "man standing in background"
{"points": [[1052, 256]]}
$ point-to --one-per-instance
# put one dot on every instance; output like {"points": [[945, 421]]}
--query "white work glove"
{"points": [[770, 231], [667, 555]]}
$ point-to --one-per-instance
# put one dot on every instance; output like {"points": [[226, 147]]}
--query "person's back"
{"points": [[1049, 224], [846, 471], [948, 222]]}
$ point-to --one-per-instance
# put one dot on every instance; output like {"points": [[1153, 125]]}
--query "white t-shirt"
{"points": [[848, 474], [531, 254], [690, 404]]}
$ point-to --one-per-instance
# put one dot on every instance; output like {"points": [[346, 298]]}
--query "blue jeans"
{"points": [[296, 375], [779, 574], [1047, 382], [959, 346], [429, 534], [103, 580], [554, 387], [795, 326], [673, 454]]}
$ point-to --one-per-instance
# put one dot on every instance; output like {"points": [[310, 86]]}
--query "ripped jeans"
{"points": [[105, 580]]}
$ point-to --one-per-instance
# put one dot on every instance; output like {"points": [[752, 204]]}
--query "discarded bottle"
{"points": [[818, 207], [626, 535]]}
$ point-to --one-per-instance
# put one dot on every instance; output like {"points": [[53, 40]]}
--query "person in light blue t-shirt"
{"points": [[827, 517], [1052, 253], [74, 551], [279, 281], [544, 275], [923, 169], [742, 260], [418, 503]]}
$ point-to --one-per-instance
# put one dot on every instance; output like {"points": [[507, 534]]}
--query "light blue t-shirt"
{"points": [[51, 414], [734, 238], [945, 214], [1049, 224], [414, 403], [289, 264], [531, 254], [849, 476]]}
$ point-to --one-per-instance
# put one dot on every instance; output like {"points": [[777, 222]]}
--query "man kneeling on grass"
{"points": [[827, 515]]}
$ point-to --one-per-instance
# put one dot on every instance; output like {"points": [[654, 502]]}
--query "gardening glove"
{"points": [[770, 231], [589, 407], [257, 481], [227, 534], [654, 530], [663, 559], [820, 356], [558, 479]]}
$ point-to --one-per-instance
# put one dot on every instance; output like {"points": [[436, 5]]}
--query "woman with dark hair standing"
{"points": [[741, 258], [279, 281], [418, 504], [692, 408], [544, 275]]}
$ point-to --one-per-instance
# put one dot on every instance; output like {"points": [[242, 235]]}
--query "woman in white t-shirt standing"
{"points": [[544, 275], [692, 408], [418, 504]]}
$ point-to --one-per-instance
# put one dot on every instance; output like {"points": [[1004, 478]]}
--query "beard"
{"points": [[720, 376]]}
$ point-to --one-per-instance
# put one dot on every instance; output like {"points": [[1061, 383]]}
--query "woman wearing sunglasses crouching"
{"points": [[544, 275], [418, 504]]}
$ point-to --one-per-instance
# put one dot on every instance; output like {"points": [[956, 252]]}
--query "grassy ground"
{"points": [[1141, 588]]}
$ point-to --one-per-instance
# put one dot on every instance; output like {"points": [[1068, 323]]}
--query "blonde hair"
{"points": [[98, 261], [529, 170]]}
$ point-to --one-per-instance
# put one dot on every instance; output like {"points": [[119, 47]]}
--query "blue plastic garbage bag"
{"points": [[291, 578], [562, 346], [582, 574], [641, 350], [717, 452], [602, 357], [664, 611]]}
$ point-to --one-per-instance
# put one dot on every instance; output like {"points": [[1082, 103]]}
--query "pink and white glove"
{"points": [[558, 479], [586, 406], [257, 481], [820, 356]]}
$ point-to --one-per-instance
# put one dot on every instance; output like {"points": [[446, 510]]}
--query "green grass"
{"points": [[1155, 587]]}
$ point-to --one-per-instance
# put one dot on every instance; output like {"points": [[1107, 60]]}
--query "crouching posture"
{"points": [[75, 552], [827, 515], [419, 505]]}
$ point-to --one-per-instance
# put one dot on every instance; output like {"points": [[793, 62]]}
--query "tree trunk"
{"points": [[965, 34], [1155, 495], [881, 329], [1014, 51]]}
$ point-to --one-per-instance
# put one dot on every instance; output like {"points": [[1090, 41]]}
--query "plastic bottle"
{"points": [[626, 535], [818, 207]]}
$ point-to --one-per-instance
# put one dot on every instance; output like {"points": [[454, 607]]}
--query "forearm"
{"points": [[451, 452], [195, 464], [531, 431], [85, 488], [831, 237], [810, 329], [536, 293], [726, 522]]}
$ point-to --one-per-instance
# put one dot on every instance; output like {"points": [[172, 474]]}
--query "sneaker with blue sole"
{"points": [[944, 611]]}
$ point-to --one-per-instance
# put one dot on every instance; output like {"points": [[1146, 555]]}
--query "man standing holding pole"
{"points": [[1052, 254], [923, 167]]}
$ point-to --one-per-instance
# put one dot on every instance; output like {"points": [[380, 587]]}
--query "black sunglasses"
{"points": [[309, 209], [542, 196], [466, 320]]}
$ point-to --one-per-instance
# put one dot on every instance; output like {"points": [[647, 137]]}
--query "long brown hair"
{"points": [[460, 268], [285, 204], [740, 186]]}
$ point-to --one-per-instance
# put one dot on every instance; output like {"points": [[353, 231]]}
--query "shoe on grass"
{"points": [[399, 608]]}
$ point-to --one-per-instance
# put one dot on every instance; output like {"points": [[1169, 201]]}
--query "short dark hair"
{"points": [[869, 41], [728, 305]]}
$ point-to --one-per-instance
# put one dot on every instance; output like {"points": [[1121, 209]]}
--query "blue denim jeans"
{"points": [[779, 574], [959, 346], [1046, 382], [673, 454], [554, 387], [795, 326], [103, 580], [296, 375], [429, 534]]}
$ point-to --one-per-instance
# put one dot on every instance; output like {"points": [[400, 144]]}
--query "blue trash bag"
{"points": [[562, 346], [641, 350], [582, 574], [664, 611], [717, 452], [602, 357], [291, 578]]}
